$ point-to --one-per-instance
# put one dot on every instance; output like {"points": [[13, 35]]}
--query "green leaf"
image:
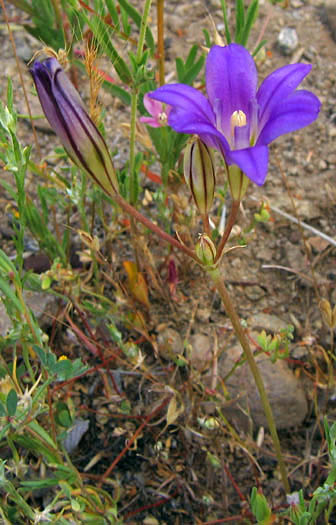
{"points": [[137, 19], [110, 4], [192, 73], [240, 19], [191, 57], [226, 22], [259, 46], [39, 484], [118, 92], [11, 402], [10, 295], [251, 15], [43, 434], [179, 69]]}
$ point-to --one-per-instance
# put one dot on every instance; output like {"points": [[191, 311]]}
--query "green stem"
{"points": [[133, 189], [58, 14], [231, 312], [143, 27], [160, 41]]}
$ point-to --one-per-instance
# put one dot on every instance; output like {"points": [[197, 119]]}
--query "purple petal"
{"points": [[43, 80], [297, 111], [150, 121], [153, 107], [231, 81], [277, 87], [188, 106], [252, 161], [67, 116]]}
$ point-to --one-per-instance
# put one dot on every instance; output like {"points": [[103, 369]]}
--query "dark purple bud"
{"points": [[69, 119]]}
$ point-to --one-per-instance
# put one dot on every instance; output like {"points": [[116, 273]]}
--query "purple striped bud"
{"points": [[206, 250], [199, 173], [69, 119]]}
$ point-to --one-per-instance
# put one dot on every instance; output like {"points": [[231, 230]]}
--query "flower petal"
{"points": [[188, 105], [277, 87], [67, 116], [252, 161], [297, 111], [231, 81], [150, 121], [153, 107]]}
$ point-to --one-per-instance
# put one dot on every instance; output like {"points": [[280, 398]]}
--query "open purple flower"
{"points": [[159, 115], [237, 118], [69, 119]]}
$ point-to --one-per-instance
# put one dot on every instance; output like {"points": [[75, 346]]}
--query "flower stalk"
{"points": [[133, 187], [230, 223], [231, 312], [160, 41]]}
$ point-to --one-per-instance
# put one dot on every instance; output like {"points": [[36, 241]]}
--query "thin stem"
{"points": [[133, 190], [128, 208], [134, 102], [230, 223], [160, 41], [206, 224], [143, 27], [58, 14], [231, 312], [23, 84]]}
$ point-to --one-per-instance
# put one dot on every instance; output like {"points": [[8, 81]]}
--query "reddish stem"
{"points": [[228, 228], [133, 438]]}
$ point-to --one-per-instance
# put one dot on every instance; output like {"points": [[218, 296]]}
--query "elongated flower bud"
{"points": [[205, 250], [69, 119], [199, 173]]}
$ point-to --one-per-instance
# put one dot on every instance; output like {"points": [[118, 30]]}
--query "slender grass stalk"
{"points": [[231, 312], [160, 41], [133, 181], [58, 14], [19, 69], [133, 187]]}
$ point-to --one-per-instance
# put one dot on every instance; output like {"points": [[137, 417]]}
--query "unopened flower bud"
{"points": [[69, 119], [238, 182], [206, 250], [199, 173]]}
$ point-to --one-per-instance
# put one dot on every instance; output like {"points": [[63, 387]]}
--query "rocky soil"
{"points": [[278, 279]]}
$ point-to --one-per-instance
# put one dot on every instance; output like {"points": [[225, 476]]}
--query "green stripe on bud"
{"points": [[199, 173], [238, 182], [205, 250]]}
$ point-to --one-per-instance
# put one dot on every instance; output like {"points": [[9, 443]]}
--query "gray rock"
{"points": [[201, 351], [268, 322], [287, 40], [285, 392], [328, 15], [43, 306], [169, 343]]}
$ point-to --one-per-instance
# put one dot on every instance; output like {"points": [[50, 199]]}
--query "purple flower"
{"points": [[69, 119], [159, 115], [237, 118]]}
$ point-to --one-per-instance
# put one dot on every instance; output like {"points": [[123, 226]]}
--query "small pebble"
{"points": [[288, 40]]}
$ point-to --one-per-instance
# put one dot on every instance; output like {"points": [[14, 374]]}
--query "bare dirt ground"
{"points": [[169, 474]]}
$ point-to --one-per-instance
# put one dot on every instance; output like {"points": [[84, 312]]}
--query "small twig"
{"points": [[21, 77], [303, 224]]}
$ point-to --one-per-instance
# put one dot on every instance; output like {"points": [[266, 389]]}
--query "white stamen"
{"points": [[238, 119]]}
